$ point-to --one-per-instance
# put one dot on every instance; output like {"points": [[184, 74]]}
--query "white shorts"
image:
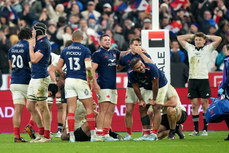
{"points": [[162, 94], [77, 88], [148, 94], [38, 89], [19, 93], [108, 95], [131, 97]]}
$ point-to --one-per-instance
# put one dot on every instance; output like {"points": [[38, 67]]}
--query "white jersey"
{"points": [[198, 60], [170, 93], [53, 57], [54, 61]]}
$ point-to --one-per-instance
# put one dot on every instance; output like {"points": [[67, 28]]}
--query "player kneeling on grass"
{"points": [[82, 130], [174, 114]]}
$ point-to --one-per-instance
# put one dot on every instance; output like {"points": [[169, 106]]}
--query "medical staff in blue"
{"points": [[39, 51], [21, 74], [223, 87], [78, 61], [104, 62], [154, 88], [135, 51]]}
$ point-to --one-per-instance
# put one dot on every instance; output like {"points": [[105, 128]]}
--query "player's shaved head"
{"points": [[77, 35]]}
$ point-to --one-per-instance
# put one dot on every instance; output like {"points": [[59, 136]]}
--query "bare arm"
{"points": [[10, 64], [137, 91], [139, 95], [123, 53], [140, 51], [216, 40], [51, 71], [172, 102], [59, 67], [96, 85], [183, 39], [119, 68], [89, 69]]}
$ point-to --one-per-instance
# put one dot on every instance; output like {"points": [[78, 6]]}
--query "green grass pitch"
{"points": [[213, 143]]}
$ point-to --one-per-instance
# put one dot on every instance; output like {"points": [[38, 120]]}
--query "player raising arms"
{"points": [[78, 61]]}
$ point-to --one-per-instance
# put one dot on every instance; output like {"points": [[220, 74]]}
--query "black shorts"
{"points": [[165, 121], [199, 88], [81, 136], [53, 88], [63, 99]]}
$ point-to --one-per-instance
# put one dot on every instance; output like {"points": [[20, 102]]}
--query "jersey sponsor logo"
{"points": [[112, 60], [108, 96], [73, 53]]}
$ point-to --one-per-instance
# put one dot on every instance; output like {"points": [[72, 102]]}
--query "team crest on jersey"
{"points": [[39, 51], [114, 55], [105, 57], [86, 92]]}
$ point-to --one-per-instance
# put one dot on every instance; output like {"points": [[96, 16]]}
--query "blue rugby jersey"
{"points": [[106, 70], [19, 56], [125, 61], [39, 70], [74, 58], [145, 79]]}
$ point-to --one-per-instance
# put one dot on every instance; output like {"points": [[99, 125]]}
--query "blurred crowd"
{"points": [[121, 19]]}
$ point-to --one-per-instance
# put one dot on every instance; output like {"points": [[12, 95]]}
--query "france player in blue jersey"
{"points": [[135, 51], [78, 61], [21, 74], [154, 89], [39, 51], [104, 62]]}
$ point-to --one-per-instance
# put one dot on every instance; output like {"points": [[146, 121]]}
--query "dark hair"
{"points": [[68, 43], [200, 34], [25, 33], [134, 61], [105, 35], [135, 39], [227, 46]]}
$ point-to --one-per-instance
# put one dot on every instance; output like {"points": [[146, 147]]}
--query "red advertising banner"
{"points": [[118, 124]]}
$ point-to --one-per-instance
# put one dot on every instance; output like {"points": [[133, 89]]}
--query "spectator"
{"points": [[219, 60], [16, 6], [147, 25], [119, 38], [87, 32], [179, 71], [194, 28], [73, 21], [28, 14], [90, 10], [55, 14], [44, 17], [36, 6], [175, 48], [4, 47]]}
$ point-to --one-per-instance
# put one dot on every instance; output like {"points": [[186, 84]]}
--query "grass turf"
{"points": [[213, 143]]}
